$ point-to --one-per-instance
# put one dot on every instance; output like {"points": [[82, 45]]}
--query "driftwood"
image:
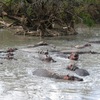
{"points": [[70, 51], [82, 46], [98, 42], [42, 43], [5, 24], [81, 52]]}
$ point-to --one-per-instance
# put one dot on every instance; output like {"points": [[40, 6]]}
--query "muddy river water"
{"points": [[18, 83]]}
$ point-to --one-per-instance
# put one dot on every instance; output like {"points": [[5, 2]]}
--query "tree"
{"points": [[42, 14]]}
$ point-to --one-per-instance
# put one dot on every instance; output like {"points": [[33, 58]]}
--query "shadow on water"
{"points": [[18, 83]]}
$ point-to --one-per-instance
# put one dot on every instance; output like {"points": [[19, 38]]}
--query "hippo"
{"points": [[74, 56], [78, 71], [42, 43], [46, 73], [82, 72], [11, 50], [47, 57]]}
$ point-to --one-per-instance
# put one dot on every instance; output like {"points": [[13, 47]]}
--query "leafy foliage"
{"points": [[87, 19], [65, 10]]}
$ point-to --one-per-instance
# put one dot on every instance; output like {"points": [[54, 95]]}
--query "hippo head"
{"points": [[72, 78], [70, 67], [86, 45], [74, 56], [12, 49]]}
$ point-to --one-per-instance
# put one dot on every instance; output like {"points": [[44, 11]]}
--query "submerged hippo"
{"points": [[79, 71], [74, 56], [46, 73]]}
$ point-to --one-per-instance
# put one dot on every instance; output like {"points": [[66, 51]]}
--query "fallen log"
{"points": [[98, 41], [5, 24], [70, 51], [80, 52], [42, 43]]}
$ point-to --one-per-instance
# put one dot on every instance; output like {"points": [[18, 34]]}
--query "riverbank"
{"points": [[55, 31]]}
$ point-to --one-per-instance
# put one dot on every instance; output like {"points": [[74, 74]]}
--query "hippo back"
{"points": [[42, 73], [82, 72]]}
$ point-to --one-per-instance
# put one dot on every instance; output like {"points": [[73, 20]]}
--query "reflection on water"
{"points": [[8, 39], [18, 83]]}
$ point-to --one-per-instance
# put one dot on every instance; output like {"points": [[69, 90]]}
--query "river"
{"points": [[18, 83]]}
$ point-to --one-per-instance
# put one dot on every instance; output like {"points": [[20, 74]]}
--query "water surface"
{"points": [[18, 83]]}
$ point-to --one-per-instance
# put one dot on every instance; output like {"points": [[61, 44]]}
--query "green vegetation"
{"points": [[42, 14]]}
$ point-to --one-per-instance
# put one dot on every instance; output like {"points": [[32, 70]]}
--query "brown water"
{"points": [[18, 83]]}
